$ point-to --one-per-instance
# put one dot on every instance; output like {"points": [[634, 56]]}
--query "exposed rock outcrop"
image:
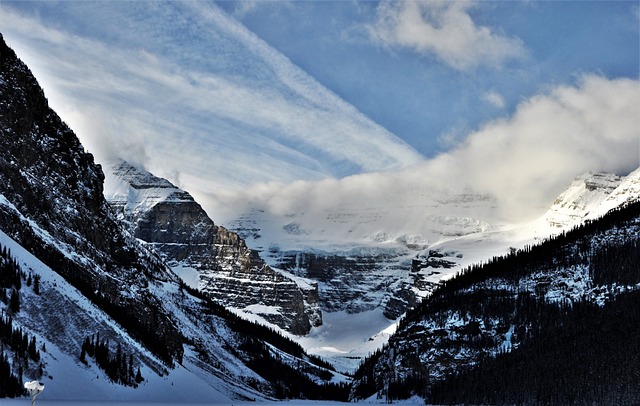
{"points": [[52, 204], [207, 256], [356, 283]]}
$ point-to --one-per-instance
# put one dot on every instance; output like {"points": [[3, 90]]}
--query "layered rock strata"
{"points": [[207, 256]]}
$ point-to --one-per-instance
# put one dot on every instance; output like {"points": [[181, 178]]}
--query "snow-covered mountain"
{"points": [[540, 324], [379, 276], [96, 304], [369, 260], [584, 195], [206, 256], [374, 279]]}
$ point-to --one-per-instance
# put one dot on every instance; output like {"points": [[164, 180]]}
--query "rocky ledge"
{"points": [[207, 256]]}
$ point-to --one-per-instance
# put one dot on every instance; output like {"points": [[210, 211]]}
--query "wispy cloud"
{"points": [[238, 113], [443, 29]]}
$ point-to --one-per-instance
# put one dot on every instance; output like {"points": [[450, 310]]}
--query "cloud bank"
{"points": [[181, 87], [510, 170], [443, 29]]}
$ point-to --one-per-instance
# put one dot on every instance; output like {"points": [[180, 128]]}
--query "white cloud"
{"points": [[528, 158], [445, 30], [523, 162], [495, 99]]}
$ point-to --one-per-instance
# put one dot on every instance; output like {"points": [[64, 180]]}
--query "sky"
{"points": [[249, 100]]}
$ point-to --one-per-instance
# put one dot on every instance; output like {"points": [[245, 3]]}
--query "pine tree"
{"points": [[36, 284], [131, 374], [83, 357], [14, 301]]}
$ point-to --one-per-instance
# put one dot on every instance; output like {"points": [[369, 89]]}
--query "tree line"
{"points": [[18, 350], [118, 366], [561, 352]]}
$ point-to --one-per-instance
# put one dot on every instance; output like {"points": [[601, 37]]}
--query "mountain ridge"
{"points": [[493, 309], [62, 233], [207, 256]]}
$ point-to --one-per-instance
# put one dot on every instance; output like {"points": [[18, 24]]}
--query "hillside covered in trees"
{"points": [[555, 323]]}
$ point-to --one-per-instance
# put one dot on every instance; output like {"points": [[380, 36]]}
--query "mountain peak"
{"points": [[208, 257], [136, 177], [585, 194]]}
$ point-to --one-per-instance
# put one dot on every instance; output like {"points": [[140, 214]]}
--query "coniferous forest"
{"points": [[556, 323], [584, 354], [18, 351]]}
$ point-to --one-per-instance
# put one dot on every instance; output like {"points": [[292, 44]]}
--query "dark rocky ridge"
{"points": [[355, 283], [52, 203], [177, 227]]}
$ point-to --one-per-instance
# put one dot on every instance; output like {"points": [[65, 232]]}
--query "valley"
{"points": [[235, 232]]}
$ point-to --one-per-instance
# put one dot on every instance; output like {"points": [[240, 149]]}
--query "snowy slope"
{"points": [[67, 378], [628, 190], [138, 191], [586, 193]]}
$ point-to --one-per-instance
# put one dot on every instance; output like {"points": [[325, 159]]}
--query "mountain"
{"points": [[52, 204], [554, 323], [131, 328], [95, 313], [379, 275], [208, 257], [583, 196]]}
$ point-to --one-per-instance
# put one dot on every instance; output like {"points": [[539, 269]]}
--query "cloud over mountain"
{"points": [[523, 162]]}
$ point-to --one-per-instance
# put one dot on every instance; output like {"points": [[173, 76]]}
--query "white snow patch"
{"points": [[189, 275]]}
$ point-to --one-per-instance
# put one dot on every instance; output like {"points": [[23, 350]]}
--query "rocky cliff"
{"points": [[79, 281], [207, 256], [52, 204]]}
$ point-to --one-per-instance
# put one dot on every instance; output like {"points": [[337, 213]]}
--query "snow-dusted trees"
{"points": [[119, 367], [502, 333], [18, 351]]}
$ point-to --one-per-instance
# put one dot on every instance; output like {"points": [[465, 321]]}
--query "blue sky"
{"points": [[418, 96], [222, 97]]}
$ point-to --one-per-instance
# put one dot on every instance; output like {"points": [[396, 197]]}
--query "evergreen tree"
{"points": [[14, 301]]}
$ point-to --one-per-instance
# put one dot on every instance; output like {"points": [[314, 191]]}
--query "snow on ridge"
{"points": [[592, 195], [628, 190], [585, 193], [136, 189]]}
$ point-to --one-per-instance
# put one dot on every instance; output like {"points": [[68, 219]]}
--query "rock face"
{"points": [[52, 204], [585, 194], [355, 282], [207, 256]]}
